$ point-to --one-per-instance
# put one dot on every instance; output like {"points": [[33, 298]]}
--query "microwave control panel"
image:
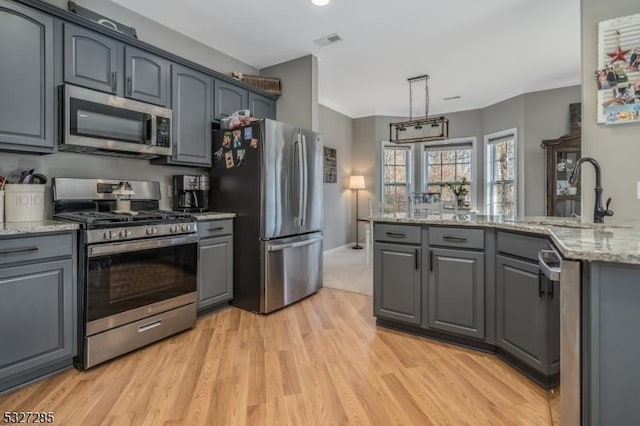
{"points": [[163, 132]]}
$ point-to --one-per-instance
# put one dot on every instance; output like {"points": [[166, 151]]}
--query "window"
{"points": [[502, 173], [450, 162], [396, 169]]}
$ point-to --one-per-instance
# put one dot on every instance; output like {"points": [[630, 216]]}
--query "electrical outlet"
{"points": [[170, 192], [638, 190]]}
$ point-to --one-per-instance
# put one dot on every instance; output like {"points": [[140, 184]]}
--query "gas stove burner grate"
{"points": [[93, 218]]}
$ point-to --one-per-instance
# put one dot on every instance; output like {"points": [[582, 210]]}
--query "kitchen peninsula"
{"points": [[477, 282]]}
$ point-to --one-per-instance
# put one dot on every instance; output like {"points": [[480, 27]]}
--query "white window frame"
{"points": [[473, 141], [409, 166], [518, 187]]}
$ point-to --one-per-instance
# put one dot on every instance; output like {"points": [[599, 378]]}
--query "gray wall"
{"points": [[298, 104], [546, 116], [338, 216], [163, 37], [65, 164], [537, 116], [617, 148]]}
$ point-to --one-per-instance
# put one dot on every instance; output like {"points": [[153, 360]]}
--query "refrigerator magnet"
{"points": [[248, 133], [237, 134], [228, 159], [240, 158], [226, 140], [254, 143], [217, 155]]}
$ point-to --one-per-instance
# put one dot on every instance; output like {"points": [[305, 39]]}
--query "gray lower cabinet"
{"points": [[37, 310], [456, 292], [91, 59], [228, 99], [191, 102], [215, 269], [27, 102], [146, 76], [528, 314], [261, 106], [396, 282]]}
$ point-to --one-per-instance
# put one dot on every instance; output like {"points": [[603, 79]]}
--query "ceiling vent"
{"points": [[327, 40]]}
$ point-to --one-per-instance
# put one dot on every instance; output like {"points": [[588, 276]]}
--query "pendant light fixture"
{"points": [[423, 129], [320, 2]]}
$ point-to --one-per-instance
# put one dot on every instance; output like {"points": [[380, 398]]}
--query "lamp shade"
{"points": [[356, 182]]}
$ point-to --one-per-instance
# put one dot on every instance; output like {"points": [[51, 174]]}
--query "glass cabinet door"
{"points": [[566, 197]]}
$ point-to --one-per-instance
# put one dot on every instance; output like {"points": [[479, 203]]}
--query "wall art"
{"points": [[618, 73], [330, 165]]}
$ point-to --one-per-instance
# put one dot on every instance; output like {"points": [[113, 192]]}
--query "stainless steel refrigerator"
{"points": [[270, 174]]}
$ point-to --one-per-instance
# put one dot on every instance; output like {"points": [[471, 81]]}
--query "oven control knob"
{"points": [[149, 231], [154, 230], [173, 228], [110, 235], [186, 228], [125, 233]]}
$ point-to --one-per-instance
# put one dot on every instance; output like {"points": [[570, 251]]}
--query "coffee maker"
{"points": [[190, 193]]}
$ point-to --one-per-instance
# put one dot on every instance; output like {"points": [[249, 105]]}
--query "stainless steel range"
{"points": [[137, 269]]}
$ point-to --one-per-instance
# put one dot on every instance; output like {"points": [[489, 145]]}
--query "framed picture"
{"points": [[618, 72], [330, 165]]}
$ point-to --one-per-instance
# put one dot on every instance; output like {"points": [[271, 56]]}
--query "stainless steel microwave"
{"points": [[100, 123]]}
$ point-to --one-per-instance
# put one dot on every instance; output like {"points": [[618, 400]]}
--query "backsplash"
{"points": [[64, 164]]}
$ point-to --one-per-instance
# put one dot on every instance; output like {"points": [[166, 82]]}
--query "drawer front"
{"points": [[27, 249], [521, 245], [397, 233], [215, 228], [456, 237]]}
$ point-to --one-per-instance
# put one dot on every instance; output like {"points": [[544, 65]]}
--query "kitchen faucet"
{"points": [[598, 212]]}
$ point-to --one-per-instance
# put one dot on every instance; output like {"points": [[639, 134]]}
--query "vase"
{"points": [[460, 201]]}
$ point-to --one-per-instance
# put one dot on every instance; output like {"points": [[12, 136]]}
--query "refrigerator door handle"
{"points": [[300, 156], [305, 181], [280, 247]]}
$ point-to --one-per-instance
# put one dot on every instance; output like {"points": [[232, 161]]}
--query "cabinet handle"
{"points": [[415, 256], [430, 260], [114, 82], [551, 292], [18, 251], [540, 289], [129, 86], [455, 239], [218, 228], [396, 235]]}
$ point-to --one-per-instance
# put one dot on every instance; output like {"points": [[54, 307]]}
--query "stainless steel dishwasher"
{"points": [[568, 273]]}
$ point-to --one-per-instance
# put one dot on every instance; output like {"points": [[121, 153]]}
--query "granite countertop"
{"points": [[22, 228], [610, 242], [213, 215]]}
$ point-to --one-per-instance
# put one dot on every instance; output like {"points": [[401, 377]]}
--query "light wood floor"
{"points": [[321, 361]]}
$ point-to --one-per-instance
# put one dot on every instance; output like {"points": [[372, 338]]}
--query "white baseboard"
{"points": [[362, 243], [337, 248]]}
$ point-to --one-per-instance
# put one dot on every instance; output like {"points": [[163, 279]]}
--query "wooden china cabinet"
{"points": [[562, 155]]}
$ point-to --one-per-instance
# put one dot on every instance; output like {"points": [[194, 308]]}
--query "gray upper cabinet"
{"points": [[191, 93], [27, 99], [527, 314], [456, 292], [215, 271], [146, 76], [228, 99], [90, 59], [261, 106], [396, 282]]}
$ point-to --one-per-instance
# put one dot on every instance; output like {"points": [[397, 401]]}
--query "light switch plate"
{"points": [[638, 190]]}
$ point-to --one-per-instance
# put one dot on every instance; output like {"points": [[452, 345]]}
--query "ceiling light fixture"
{"points": [[320, 2], [419, 130]]}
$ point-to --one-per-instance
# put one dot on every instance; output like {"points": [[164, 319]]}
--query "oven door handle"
{"points": [[130, 246]]}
